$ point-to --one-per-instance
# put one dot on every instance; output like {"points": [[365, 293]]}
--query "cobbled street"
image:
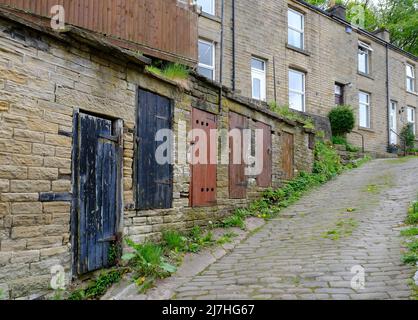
{"points": [[294, 257]]}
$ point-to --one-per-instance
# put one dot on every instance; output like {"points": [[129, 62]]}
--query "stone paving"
{"points": [[289, 258]]}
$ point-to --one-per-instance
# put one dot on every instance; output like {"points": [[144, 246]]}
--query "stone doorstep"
{"points": [[192, 265]]}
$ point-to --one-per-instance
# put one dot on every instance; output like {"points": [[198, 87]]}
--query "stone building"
{"points": [[269, 44], [73, 142]]}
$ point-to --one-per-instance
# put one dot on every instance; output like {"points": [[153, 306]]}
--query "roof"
{"points": [[360, 30]]}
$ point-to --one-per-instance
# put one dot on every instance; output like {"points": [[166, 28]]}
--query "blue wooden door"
{"points": [[154, 189], [98, 200]]}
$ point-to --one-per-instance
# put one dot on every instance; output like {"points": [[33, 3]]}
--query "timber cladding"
{"points": [[169, 29], [73, 129]]}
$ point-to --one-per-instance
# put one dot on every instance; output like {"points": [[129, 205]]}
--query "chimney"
{"points": [[382, 34], [338, 11]]}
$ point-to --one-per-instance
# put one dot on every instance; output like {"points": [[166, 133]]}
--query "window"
{"points": [[411, 117], [295, 21], [364, 51], [207, 59], [258, 79], [208, 6], [339, 94], [364, 112], [410, 78], [297, 90]]}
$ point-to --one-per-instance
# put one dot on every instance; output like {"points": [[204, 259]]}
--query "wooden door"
{"points": [[154, 188], [287, 155], [204, 179], [99, 198], [237, 177], [265, 178]]}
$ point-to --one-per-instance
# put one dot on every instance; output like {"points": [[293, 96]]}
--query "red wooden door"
{"points": [[203, 187], [237, 178], [287, 155], [264, 179]]}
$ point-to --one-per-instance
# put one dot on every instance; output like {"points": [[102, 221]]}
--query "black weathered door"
{"points": [[98, 192], [154, 178]]}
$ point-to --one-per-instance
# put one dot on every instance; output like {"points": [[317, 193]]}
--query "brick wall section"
{"points": [[331, 56], [42, 83]]}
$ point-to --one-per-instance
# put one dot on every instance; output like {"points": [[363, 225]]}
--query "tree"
{"points": [[400, 17]]}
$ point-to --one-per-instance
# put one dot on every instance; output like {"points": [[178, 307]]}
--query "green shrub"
{"points": [[343, 141], [170, 71], [287, 113], [327, 161], [339, 140], [98, 287], [408, 136], [147, 259], [174, 240], [342, 120], [410, 258], [410, 232], [233, 221]]}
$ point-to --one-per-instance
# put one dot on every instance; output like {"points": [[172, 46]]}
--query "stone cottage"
{"points": [[78, 122]]}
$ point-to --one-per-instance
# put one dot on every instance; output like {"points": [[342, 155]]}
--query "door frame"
{"points": [[395, 122], [117, 127]]}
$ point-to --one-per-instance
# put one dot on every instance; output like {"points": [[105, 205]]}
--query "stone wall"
{"points": [[42, 83]]}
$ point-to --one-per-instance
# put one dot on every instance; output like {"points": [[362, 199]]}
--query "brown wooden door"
{"points": [[237, 178], [264, 179], [203, 187], [287, 155]]}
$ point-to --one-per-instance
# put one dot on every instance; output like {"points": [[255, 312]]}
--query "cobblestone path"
{"points": [[290, 257]]}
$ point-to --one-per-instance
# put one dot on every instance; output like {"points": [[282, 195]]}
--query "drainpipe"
{"points": [[274, 79], [221, 56], [233, 47], [388, 93]]}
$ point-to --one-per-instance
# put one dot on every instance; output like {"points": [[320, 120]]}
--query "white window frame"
{"points": [[412, 79], [301, 31], [368, 105], [205, 66], [260, 75], [303, 92], [212, 5], [413, 120], [368, 50]]}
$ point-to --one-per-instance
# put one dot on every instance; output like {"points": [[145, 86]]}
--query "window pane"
{"points": [[296, 81], [410, 84], [364, 116], [338, 89], [295, 39], [409, 71], [295, 20], [296, 101], [205, 53], [256, 89], [364, 98], [362, 61], [205, 72], [207, 6], [257, 64]]}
